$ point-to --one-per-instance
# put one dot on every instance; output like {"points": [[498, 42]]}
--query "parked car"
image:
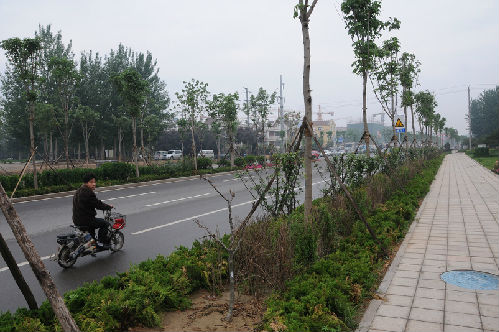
{"points": [[174, 154], [206, 153], [315, 154], [160, 155]]}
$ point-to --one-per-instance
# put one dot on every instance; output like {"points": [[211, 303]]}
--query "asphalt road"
{"points": [[160, 217]]}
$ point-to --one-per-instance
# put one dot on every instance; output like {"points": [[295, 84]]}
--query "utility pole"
{"points": [[247, 107], [281, 114], [469, 116]]}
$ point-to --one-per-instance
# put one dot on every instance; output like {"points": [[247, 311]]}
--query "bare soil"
{"points": [[208, 313]]}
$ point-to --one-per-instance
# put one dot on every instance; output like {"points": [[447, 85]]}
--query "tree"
{"points": [[225, 107], [65, 76], [121, 121], [260, 106], [386, 76], [87, 118], [303, 10], [24, 57], [132, 89], [364, 27], [425, 108], [192, 101], [409, 71], [484, 113]]}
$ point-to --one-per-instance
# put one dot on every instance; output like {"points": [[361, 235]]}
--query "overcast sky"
{"points": [[231, 44]]}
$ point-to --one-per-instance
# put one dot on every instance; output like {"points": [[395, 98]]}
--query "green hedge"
{"points": [[328, 294], [481, 152], [52, 181]]}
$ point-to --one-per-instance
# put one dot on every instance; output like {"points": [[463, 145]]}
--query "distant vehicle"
{"points": [[174, 154], [160, 155], [315, 154], [328, 152], [206, 153]]}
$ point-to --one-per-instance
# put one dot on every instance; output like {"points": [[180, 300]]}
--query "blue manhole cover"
{"points": [[471, 279]]}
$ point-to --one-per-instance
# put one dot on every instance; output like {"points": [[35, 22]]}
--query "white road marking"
{"points": [[129, 196], [23, 263], [194, 217], [178, 199], [187, 219]]}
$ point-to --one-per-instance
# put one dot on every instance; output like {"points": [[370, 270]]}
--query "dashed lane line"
{"points": [[129, 196], [6, 268], [177, 200], [197, 216]]}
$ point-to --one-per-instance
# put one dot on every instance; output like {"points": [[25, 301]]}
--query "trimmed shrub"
{"points": [[481, 152]]}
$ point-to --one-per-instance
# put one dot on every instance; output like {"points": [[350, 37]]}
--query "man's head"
{"points": [[89, 180]]}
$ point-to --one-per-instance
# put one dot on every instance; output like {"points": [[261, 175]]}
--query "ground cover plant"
{"points": [[319, 274]]}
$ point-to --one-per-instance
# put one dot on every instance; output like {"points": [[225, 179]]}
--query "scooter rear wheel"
{"points": [[64, 258]]}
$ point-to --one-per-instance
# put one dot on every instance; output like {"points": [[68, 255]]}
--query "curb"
{"points": [[125, 185]]}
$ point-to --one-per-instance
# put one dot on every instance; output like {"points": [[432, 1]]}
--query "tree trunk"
{"points": [[66, 137], [32, 142], [51, 151], [42, 275], [232, 284], [86, 137], [413, 125], [102, 148], [134, 131], [142, 151], [194, 144], [364, 112], [232, 150], [406, 125], [218, 148], [307, 98], [120, 138], [16, 274]]}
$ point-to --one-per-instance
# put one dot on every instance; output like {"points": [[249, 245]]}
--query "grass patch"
{"points": [[488, 162]]}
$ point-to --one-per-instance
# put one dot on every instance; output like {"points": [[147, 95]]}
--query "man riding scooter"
{"points": [[85, 203]]}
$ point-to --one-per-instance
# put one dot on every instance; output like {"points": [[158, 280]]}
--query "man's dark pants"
{"points": [[102, 225]]}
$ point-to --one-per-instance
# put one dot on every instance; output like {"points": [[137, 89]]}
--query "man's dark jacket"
{"points": [[84, 204]]}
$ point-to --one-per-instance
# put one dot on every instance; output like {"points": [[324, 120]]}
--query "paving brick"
{"points": [[430, 293], [455, 328], [427, 315], [399, 300], [463, 307], [395, 311], [400, 290], [490, 310], [425, 303], [490, 323], [389, 324], [457, 318], [417, 326]]}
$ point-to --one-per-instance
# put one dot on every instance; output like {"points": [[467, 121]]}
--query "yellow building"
{"points": [[325, 130]]}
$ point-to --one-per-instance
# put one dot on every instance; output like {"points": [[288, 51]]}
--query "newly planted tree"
{"points": [[364, 27], [425, 108], [192, 101], [303, 11], [386, 79], [409, 71], [132, 89], [23, 55]]}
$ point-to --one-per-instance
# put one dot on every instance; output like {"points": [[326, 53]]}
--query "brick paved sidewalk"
{"points": [[456, 228]]}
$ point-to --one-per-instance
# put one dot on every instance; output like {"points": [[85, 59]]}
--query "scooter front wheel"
{"points": [[64, 258], [117, 241]]}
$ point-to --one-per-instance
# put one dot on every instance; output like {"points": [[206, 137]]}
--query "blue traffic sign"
{"points": [[400, 130]]}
